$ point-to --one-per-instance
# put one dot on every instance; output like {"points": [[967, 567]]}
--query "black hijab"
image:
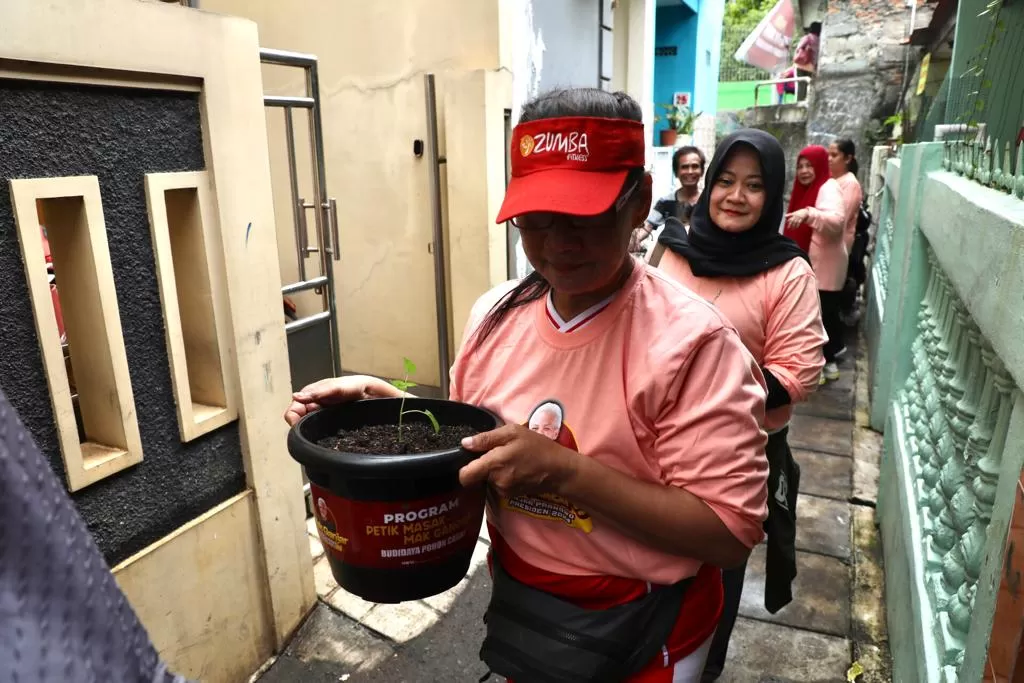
{"points": [[713, 252]]}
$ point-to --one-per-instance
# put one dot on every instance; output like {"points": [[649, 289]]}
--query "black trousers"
{"points": [[831, 308], [801, 87], [780, 557]]}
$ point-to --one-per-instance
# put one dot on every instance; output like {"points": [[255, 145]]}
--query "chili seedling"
{"points": [[404, 385]]}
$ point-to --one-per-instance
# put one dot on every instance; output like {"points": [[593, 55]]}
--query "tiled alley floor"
{"points": [[836, 618]]}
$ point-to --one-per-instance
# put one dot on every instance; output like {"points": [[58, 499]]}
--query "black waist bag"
{"points": [[535, 637]]}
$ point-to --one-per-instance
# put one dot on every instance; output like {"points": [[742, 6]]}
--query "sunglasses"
{"points": [[544, 220]]}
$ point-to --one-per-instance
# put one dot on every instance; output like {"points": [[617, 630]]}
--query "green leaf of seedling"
{"points": [[400, 384], [430, 416], [410, 367]]}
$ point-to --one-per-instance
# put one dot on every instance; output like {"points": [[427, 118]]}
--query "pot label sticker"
{"points": [[548, 419], [396, 534]]}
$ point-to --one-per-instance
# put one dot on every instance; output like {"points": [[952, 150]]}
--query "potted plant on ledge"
{"points": [[680, 122]]}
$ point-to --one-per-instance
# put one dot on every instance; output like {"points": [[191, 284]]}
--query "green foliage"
{"points": [[741, 12], [741, 17], [404, 385], [430, 416]]}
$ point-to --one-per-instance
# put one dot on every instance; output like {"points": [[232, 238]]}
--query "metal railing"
{"points": [[795, 80], [325, 209]]}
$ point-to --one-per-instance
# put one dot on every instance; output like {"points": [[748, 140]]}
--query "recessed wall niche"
{"points": [[190, 272], [106, 440]]}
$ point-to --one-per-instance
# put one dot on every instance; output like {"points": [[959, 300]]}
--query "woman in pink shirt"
{"points": [[843, 166], [816, 209], [735, 258], [656, 474]]}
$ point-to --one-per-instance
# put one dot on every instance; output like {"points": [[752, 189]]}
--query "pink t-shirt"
{"points": [[778, 317], [806, 55], [658, 386], [853, 195], [828, 253]]}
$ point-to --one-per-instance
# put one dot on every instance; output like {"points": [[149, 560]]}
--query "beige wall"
{"points": [[373, 56], [209, 621]]}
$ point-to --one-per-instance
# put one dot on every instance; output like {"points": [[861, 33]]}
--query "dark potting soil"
{"points": [[417, 437]]}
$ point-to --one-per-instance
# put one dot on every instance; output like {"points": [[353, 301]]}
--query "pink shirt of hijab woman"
{"points": [[735, 258], [817, 217], [667, 482]]}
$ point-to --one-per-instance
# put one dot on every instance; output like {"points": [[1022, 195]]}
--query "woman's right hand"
{"points": [[336, 390], [797, 218]]}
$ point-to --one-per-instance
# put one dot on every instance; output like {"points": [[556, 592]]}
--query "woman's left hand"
{"points": [[518, 461], [796, 218], [637, 238]]}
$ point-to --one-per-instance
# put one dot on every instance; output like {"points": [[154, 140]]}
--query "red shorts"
{"points": [[698, 617]]}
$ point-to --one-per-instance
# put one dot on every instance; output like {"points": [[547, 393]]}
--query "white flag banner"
{"points": [[767, 46]]}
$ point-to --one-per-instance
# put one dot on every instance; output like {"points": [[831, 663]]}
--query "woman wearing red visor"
{"points": [[632, 465]]}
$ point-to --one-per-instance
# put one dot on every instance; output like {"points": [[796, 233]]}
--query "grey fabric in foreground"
{"points": [[62, 615]]}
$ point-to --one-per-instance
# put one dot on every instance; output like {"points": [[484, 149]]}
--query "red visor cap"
{"points": [[573, 165]]}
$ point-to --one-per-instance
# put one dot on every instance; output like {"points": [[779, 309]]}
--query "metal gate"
{"points": [[313, 345]]}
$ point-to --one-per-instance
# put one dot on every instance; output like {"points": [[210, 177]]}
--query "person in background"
{"points": [[664, 402], [735, 258], [805, 59], [816, 221], [843, 166], [805, 63], [688, 167]]}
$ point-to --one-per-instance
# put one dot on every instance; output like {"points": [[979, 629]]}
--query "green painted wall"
{"points": [[946, 367], [737, 95], [985, 83]]}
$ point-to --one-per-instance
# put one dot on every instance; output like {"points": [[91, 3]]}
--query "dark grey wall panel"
{"points": [[118, 135]]}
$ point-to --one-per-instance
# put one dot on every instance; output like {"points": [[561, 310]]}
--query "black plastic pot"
{"points": [[394, 527]]}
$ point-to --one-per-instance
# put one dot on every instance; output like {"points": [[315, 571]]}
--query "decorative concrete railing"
{"points": [[944, 327], [994, 163]]}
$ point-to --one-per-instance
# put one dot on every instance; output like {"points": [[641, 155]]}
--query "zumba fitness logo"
{"points": [[573, 145]]}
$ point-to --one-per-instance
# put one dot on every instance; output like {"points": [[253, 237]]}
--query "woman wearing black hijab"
{"points": [[735, 257]]}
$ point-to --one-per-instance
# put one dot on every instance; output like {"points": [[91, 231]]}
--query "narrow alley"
{"points": [[589, 259]]}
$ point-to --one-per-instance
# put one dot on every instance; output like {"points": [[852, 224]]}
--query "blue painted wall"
{"points": [[674, 26], [694, 28]]}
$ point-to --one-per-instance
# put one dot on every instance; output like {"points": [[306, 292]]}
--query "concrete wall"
{"points": [[556, 44], [372, 60], [119, 136], [788, 123], [708, 56], [860, 69], [237, 579], [569, 31]]}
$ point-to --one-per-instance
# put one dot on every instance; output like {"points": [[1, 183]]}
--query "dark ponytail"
{"points": [[552, 105], [846, 146]]}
